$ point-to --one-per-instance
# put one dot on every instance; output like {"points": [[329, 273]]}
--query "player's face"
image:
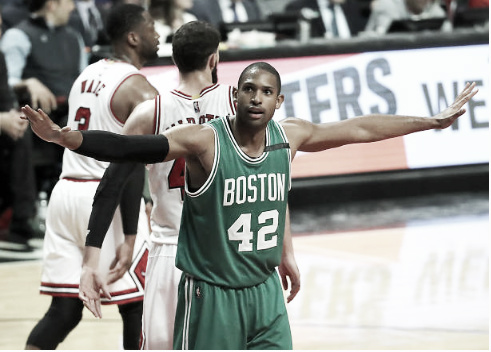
{"points": [[149, 38], [258, 97]]}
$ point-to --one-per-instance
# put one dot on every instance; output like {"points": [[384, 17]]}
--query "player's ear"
{"points": [[279, 100], [133, 38], [213, 60]]}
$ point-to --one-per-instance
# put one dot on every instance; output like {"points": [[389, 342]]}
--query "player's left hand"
{"points": [[288, 269], [455, 110]]}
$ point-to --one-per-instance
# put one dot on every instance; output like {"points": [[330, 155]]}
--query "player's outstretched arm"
{"points": [[100, 145], [306, 136]]}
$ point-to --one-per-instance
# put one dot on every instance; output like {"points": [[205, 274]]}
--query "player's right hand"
{"points": [[92, 288], [122, 261], [49, 131]]}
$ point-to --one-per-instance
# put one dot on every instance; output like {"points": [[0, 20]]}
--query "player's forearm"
{"points": [[91, 257], [106, 200], [107, 146], [131, 199], [372, 128], [287, 239]]}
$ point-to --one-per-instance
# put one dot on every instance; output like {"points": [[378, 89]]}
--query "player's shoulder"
{"points": [[110, 70], [218, 88], [293, 125], [137, 87]]}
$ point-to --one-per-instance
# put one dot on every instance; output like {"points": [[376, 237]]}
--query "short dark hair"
{"points": [[192, 44], [261, 66], [35, 5], [123, 18]]}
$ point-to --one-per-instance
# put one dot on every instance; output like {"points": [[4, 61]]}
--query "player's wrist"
{"points": [[91, 257]]}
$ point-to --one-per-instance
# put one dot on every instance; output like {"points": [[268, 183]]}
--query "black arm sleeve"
{"points": [[106, 200], [108, 146], [131, 200]]}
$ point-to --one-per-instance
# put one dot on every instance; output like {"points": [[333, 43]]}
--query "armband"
{"points": [[106, 200], [108, 146]]}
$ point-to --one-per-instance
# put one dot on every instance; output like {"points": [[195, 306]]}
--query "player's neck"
{"points": [[121, 56], [193, 83], [251, 139]]}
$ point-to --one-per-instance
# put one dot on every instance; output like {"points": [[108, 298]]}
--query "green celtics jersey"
{"points": [[232, 227]]}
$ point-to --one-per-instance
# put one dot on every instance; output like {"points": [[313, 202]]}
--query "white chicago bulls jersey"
{"points": [[166, 180], [70, 204], [90, 108]]}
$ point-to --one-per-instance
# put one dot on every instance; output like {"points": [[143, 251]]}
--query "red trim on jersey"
{"points": [[59, 294], [111, 101], [208, 89], [103, 301], [156, 115], [189, 97], [81, 179], [231, 101], [181, 94], [124, 292], [123, 301], [59, 285]]}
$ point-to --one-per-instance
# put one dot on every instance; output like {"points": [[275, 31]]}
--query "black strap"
{"points": [[270, 148]]}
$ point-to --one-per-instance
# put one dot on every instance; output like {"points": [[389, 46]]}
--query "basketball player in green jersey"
{"points": [[237, 184]]}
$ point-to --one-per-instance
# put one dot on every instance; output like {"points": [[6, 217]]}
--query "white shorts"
{"points": [[67, 218], [159, 305]]}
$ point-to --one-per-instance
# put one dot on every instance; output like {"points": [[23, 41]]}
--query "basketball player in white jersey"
{"points": [[197, 99], [101, 98]]}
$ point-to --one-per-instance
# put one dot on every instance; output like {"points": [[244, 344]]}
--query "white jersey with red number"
{"points": [[90, 102], [70, 204], [166, 180]]}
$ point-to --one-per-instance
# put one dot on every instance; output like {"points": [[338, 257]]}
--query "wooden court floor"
{"points": [[421, 286]]}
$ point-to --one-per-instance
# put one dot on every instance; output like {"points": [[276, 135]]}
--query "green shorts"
{"points": [[218, 318]]}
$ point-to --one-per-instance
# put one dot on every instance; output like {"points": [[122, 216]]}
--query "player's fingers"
{"points": [[105, 292], [293, 292], [284, 282], [83, 297], [113, 263], [97, 306], [28, 112], [114, 275], [90, 304]]}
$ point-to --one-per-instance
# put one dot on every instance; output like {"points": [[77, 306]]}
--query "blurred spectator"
{"points": [[228, 11], [169, 15], [17, 181], [13, 12], [269, 7], [384, 12], [143, 3], [44, 56], [331, 18], [88, 21]]}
